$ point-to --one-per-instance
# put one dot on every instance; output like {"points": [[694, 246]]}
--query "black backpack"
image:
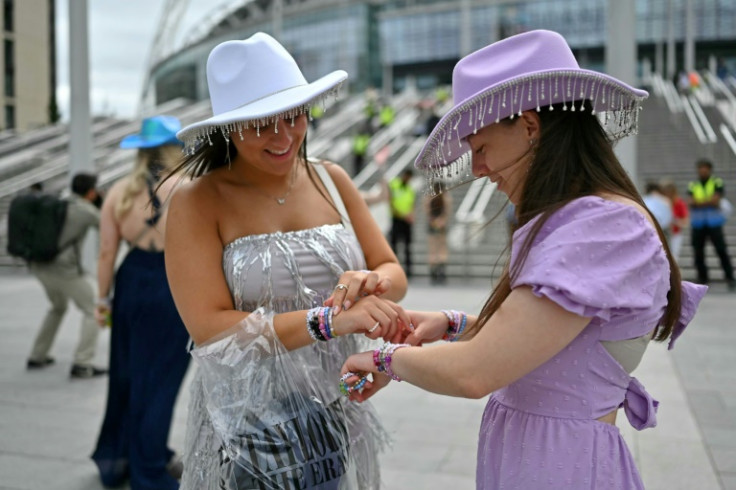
{"points": [[35, 222]]}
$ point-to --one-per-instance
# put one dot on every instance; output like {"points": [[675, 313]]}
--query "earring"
{"points": [[229, 162], [532, 141]]}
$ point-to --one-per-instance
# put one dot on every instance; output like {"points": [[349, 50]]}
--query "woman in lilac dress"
{"points": [[589, 281]]}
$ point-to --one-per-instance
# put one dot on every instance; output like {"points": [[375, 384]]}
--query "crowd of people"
{"points": [[271, 266]]}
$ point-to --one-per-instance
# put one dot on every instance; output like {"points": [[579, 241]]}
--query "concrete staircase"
{"points": [[669, 148]]}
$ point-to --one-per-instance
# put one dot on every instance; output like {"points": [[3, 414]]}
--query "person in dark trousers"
{"points": [[706, 221], [148, 354], [403, 197], [438, 207], [63, 279]]}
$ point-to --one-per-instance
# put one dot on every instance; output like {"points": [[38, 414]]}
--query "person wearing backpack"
{"points": [[63, 279]]}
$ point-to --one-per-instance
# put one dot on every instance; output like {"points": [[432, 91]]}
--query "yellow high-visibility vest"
{"points": [[402, 198], [704, 192]]}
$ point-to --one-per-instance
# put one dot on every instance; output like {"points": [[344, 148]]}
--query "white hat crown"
{"points": [[254, 83], [241, 72]]}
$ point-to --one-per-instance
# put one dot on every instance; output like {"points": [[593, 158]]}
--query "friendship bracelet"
{"points": [[319, 323], [313, 324], [456, 323], [383, 356], [346, 389]]}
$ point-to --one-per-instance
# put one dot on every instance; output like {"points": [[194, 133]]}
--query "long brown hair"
{"points": [[574, 158]]}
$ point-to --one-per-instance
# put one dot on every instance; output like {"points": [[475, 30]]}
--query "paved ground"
{"points": [[49, 424]]}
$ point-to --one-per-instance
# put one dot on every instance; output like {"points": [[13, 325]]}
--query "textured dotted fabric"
{"points": [[603, 260]]}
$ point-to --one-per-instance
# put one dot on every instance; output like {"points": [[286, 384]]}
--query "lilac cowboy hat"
{"points": [[533, 70], [253, 83]]}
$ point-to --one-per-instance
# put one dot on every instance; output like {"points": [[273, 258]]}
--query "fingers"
{"points": [[383, 286], [361, 284], [101, 316], [401, 322], [338, 296], [374, 317], [353, 286], [370, 388], [412, 339], [358, 363], [387, 314]]}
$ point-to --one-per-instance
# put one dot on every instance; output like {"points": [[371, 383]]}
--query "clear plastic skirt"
{"points": [[263, 417]]}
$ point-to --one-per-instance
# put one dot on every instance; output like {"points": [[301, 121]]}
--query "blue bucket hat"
{"points": [[155, 131]]}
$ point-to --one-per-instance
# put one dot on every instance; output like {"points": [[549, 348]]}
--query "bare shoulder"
{"points": [[197, 195], [340, 177], [338, 174], [115, 191]]}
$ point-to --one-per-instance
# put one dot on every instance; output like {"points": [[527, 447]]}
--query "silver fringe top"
{"points": [[280, 272]]}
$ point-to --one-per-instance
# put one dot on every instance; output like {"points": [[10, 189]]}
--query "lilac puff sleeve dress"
{"points": [[603, 260]]}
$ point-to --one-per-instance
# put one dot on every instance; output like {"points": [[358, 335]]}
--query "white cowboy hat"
{"points": [[253, 83]]}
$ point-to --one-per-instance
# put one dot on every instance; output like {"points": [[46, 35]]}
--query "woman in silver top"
{"points": [[258, 242]]}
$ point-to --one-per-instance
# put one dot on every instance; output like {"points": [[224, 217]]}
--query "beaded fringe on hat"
{"points": [[197, 136], [446, 158]]}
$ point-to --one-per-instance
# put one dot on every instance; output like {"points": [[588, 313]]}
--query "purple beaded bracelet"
{"points": [[383, 356]]}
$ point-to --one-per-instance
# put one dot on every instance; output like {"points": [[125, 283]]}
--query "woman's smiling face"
{"points": [[502, 153], [272, 149]]}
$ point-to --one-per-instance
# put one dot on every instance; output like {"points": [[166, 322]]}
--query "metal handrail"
{"points": [[400, 163], [693, 120], [483, 199], [723, 88], [709, 133], [671, 97], [728, 137], [464, 209]]}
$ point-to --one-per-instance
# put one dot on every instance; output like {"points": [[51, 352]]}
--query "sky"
{"points": [[120, 36]]}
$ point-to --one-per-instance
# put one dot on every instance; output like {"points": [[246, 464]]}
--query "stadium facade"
{"points": [[383, 43]]}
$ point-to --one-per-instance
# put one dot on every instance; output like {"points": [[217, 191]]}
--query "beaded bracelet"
{"points": [[346, 389], [457, 321], [319, 323], [382, 358]]}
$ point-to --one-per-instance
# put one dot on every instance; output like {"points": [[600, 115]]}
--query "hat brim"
{"points": [[447, 141], [267, 108], [138, 141]]}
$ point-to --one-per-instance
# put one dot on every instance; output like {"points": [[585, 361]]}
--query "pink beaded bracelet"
{"points": [[383, 356]]}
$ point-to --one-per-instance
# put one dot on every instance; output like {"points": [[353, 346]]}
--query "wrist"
{"points": [[103, 302], [383, 358], [456, 323], [319, 322]]}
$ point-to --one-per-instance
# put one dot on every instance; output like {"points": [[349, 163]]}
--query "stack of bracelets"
{"points": [[382, 358], [319, 323], [346, 389], [457, 321]]}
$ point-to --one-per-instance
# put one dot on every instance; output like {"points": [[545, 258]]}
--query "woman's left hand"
{"points": [[354, 285], [363, 364]]}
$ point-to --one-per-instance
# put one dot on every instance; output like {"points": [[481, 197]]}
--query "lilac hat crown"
{"points": [[533, 70]]}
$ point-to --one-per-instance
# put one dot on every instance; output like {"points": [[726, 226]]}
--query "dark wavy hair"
{"points": [[573, 158], [208, 157]]}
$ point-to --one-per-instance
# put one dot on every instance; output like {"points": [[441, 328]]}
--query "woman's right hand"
{"points": [[374, 317], [102, 313], [429, 326]]}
